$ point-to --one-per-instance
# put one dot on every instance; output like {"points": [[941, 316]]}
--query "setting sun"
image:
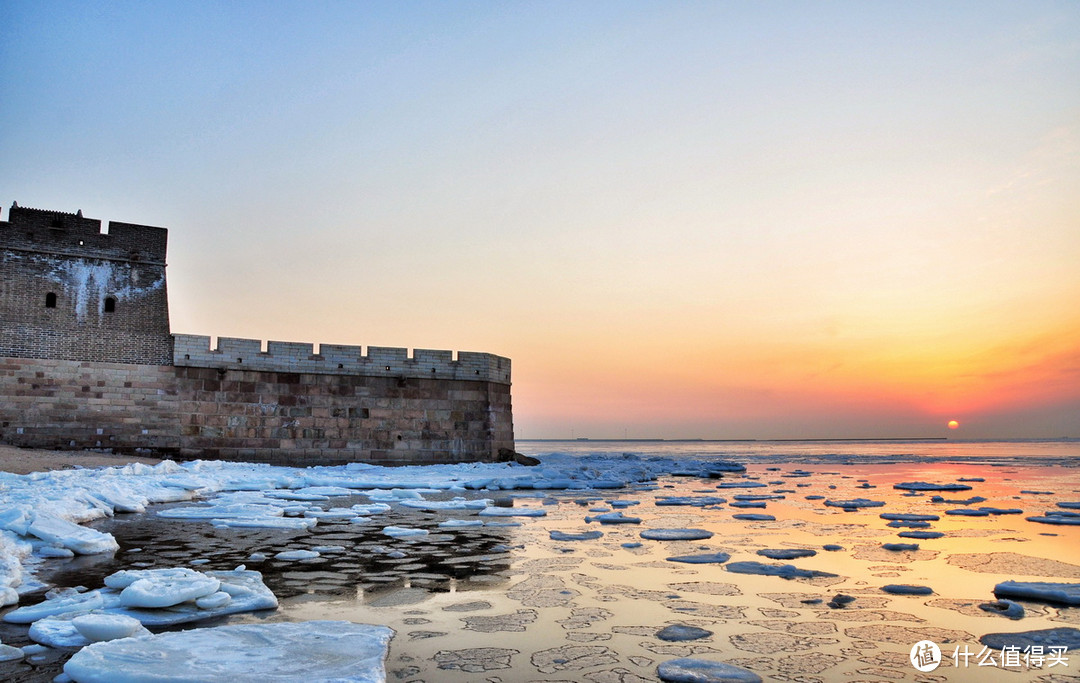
{"points": [[953, 424]]}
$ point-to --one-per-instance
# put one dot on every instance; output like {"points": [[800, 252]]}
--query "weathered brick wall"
{"points": [[302, 418], [263, 416], [70, 292], [48, 403]]}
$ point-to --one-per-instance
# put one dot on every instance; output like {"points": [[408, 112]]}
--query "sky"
{"points": [[723, 220]]}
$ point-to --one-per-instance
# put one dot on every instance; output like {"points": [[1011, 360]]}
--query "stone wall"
{"points": [[303, 419], [48, 403], [71, 292], [252, 415]]}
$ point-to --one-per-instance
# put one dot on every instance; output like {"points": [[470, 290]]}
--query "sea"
{"points": [[568, 596], [1058, 451]]}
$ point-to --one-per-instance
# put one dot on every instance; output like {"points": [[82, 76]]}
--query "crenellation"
{"points": [[335, 359], [39, 230]]}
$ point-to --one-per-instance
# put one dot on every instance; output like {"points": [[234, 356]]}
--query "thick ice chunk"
{"points": [[168, 589], [79, 539], [214, 600], [786, 571], [689, 670], [245, 653], [1063, 639], [98, 628], [78, 602], [1060, 593], [676, 534], [718, 557], [292, 555], [10, 654], [927, 486], [245, 587], [403, 531]]}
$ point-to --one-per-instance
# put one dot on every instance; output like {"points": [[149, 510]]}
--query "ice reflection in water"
{"points": [[354, 559]]}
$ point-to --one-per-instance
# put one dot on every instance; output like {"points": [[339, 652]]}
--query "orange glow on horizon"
{"points": [[953, 424]]}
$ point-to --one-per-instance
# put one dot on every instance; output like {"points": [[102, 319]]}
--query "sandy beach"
{"points": [[26, 460]]}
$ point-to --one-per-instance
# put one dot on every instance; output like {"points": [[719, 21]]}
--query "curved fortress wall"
{"points": [[87, 361]]}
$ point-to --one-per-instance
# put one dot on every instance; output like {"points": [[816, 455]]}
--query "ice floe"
{"points": [[616, 517], [927, 486], [688, 670], [583, 536], [79, 630], [1057, 517], [1006, 608], [694, 501], [898, 547], [786, 553], [1061, 639], [909, 517], [676, 534], [162, 597], [786, 571], [855, 503], [156, 588], [309, 651], [294, 555], [923, 535], [404, 532], [677, 633], [1059, 593], [906, 589], [704, 558]]}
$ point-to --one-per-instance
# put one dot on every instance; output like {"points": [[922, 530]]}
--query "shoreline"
{"points": [[18, 460]]}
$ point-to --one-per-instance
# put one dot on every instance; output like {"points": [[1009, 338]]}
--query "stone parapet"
{"points": [[195, 351]]}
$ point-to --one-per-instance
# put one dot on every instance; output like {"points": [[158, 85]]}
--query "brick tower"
{"points": [[69, 291]]}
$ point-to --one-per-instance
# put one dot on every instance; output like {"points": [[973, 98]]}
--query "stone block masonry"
{"points": [[282, 417], [87, 361]]}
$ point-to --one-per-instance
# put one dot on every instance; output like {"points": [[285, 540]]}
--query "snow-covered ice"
{"points": [[688, 670], [676, 534], [294, 555], [404, 532], [311, 651], [81, 629], [162, 597], [1060, 593], [156, 588]]}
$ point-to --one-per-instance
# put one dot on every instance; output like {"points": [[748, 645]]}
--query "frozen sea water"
{"points": [[482, 601]]}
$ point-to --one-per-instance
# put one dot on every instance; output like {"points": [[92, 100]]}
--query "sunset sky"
{"points": [[679, 219]]}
